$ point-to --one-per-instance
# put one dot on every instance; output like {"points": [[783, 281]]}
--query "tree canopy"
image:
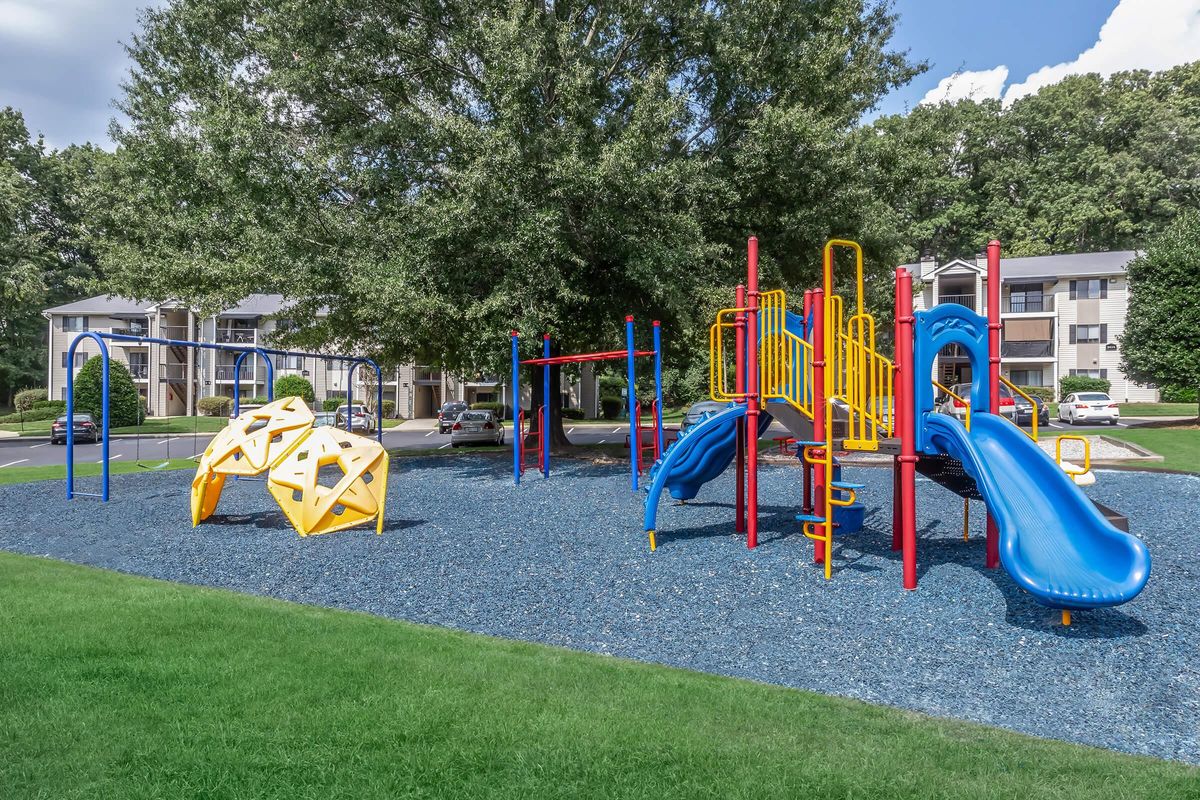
{"points": [[435, 173]]}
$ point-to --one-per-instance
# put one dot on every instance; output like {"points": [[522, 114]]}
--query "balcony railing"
{"points": [[172, 372], [142, 330], [1035, 349], [484, 380], [173, 332], [967, 300], [236, 336], [1028, 304], [427, 376], [139, 372]]}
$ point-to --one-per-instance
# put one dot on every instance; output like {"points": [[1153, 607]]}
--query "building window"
{"points": [[290, 362], [1089, 373], [1088, 334], [1026, 377], [1026, 297], [1092, 289], [75, 324], [80, 359]]}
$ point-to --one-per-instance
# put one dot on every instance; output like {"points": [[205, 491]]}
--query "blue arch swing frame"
{"points": [[100, 337]]}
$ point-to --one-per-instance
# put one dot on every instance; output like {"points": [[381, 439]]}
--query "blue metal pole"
{"points": [[658, 392], [104, 416], [378, 400], [350, 395], [516, 400], [545, 424], [237, 382], [270, 372], [631, 376]]}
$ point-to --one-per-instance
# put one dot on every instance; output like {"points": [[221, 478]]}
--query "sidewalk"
{"points": [[415, 425]]}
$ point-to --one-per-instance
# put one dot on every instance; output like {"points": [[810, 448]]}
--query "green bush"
{"points": [[1043, 394], [611, 406], [389, 409], [124, 403], [1079, 383], [495, 408], [1170, 394], [257, 401], [330, 404], [216, 406], [294, 386], [59, 405], [572, 413], [28, 399]]}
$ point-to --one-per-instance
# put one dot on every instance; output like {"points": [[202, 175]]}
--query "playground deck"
{"points": [[564, 562]]}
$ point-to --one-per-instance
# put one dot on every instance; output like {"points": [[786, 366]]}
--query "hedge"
{"points": [[1079, 383], [1043, 394], [27, 399], [60, 405], [216, 406], [572, 413], [389, 409], [611, 406], [496, 408], [330, 404], [294, 386], [34, 415], [1170, 394], [124, 403]]}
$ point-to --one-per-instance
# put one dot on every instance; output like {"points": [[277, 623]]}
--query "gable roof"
{"points": [[1068, 265], [109, 305]]}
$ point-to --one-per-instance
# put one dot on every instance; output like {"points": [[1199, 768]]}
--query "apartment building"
{"points": [[172, 379], [1062, 315]]}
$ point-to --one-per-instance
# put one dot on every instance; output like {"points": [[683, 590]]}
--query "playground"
{"points": [[558, 562]]}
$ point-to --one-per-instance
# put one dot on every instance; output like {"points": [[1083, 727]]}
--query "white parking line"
{"points": [[36, 446], [172, 439], [443, 447], [1052, 425], [602, 441], [431, 433], [617, 430], [570, 430], [111, 458], [12, 463]]}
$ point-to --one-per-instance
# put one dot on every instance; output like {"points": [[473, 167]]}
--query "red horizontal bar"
{"points": [[611, 354]]}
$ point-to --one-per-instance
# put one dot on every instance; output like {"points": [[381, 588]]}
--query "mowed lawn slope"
{"points": [[124, 687]]}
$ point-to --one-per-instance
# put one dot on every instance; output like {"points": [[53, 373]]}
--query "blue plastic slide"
{"points": [[1053, 541], [701, 453]]}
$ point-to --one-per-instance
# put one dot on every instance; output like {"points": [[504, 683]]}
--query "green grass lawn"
{"points": [[1158, 409], [123, 687], [1179, 447], [59, 471]]}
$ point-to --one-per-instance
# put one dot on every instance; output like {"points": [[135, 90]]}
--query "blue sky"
{"points": [[61, 61]]}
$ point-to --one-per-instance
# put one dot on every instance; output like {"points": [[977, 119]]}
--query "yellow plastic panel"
{"points": [[206, 491], [315, 503], [253, 441]]}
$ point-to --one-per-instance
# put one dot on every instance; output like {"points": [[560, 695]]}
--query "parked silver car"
{"points": [[361, 420], [697, 411], [321, 418], [476, 427], [948, 405]]}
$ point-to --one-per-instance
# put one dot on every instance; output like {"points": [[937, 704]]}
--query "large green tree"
{"points": [[434, 173], [44, 256], [1161, 342]]}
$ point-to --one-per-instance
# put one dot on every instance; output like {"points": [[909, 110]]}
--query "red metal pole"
{"points": [[907, 422], [818, 390], [897, 411], [752, 393], [739, 300], [992, 559], [806, 505]]}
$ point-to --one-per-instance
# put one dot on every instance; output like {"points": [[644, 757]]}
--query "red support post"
{"points": [[992, 558], [818, 390], [906, 419], [751, 335], [739, 366], [806, 469], [897, 411]]}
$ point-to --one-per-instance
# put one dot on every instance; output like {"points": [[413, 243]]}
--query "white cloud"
{"points": [[971, 84], [27, 19], [1139, 34]]}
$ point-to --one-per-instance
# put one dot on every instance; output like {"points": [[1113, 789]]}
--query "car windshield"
{"points": [[475, 416], [1094, 396]]}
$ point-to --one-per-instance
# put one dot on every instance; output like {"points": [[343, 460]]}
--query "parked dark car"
{"points": [[1025, 410], [448, 413], [86, 429]]}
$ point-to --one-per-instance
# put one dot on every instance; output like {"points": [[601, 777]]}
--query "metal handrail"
{"points": [[716, 357], [967, 403], [1087, 453], [1032, 402], [784, 357]]}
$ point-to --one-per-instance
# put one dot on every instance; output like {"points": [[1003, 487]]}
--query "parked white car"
{"points": [[476, 427], [1091, 407]]}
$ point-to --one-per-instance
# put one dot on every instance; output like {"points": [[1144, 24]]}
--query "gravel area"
{"points": [[1101, 450], [564, 561]]}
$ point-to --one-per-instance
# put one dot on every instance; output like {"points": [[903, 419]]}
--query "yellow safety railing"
{"points": [[784, 359], [718, 388], [965, 402], [1033, 403], [1087, 453]]}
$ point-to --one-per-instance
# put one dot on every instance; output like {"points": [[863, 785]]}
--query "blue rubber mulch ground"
{"points": [[565, 562]]}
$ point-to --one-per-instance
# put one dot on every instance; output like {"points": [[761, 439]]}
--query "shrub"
{"points": [[1170, 394], [124, 403], [611, 406], [1043, 394], [257, 401], [216, 406], [389, 409], [496, 408], [330, 404], [294, 386], [28, 399], [58, 405], [1078, 383], [572, 413], [33, 415]]}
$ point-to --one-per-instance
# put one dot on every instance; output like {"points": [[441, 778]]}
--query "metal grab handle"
{"points": [[1087, 452]]}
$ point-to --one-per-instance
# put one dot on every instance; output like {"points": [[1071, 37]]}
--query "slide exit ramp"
{"points": [[1054, 542]]}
